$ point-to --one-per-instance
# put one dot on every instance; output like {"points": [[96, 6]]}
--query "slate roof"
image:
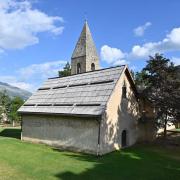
{"points": [[80, 94]]}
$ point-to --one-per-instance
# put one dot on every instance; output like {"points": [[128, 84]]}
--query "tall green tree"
{"points": [[66, 70], [5, 102], [161, 87], [16, 103], [140, 80], [9, 107]]}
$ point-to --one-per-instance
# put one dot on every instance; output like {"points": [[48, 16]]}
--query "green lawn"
{"points": [[21, 160]]}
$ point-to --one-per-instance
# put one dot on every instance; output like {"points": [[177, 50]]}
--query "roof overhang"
{"points": [[59, 114], [129, 76]]}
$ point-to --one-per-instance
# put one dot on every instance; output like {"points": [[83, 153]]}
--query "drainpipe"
{"points": [[21, 126], [99, 133]]}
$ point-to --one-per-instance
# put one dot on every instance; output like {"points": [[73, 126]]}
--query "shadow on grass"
{"points": [[133, 163], [11, 132]]}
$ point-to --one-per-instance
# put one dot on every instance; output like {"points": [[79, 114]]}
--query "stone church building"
{"points": [[93, 110]]}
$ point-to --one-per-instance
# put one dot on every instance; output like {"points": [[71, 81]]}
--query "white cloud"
{"points": [[20, 24], [1, 51], [42, 71], [139, 31], [133, 68], [58, 30], [176, 60], [174, 36], [120, 62], [31, 77], [12, 80], [112, 55], [170, 43]]}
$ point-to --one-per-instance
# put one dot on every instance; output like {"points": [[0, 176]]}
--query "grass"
{"points": [[21, 160]]}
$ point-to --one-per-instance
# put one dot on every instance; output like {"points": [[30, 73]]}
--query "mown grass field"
{"points": [[21, 161]]}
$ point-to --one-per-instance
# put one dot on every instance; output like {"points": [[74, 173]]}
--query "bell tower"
{"points": [[84, 57]]}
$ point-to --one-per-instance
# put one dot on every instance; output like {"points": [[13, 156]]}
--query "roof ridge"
{"points": [[90, 71]]}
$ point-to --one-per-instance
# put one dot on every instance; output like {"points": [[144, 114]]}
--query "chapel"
{"points": [[93, 110]]}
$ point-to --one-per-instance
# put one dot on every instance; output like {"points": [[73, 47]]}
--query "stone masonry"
{"points": [[84, 53]]}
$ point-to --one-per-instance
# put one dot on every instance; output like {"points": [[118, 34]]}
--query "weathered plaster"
{"points": [[121, 114], [79, 134]]}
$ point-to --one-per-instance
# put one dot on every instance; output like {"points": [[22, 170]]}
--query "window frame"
{"points": [[78, 68], [93, 67], [124, 91]]}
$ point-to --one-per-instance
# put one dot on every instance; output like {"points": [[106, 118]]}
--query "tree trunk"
{"points": [[13, 123], [165, 127]]}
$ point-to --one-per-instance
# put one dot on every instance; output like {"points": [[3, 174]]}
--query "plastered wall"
{"points": [[79, 134], [120, 114]]}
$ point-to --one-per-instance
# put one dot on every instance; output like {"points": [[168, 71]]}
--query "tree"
{"points": [[4, 99], [4, 105], [132, 74], [161, 87], [16, 103], [66, 70], [9, 107], [140, 80]]}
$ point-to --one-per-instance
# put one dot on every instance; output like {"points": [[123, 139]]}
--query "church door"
{"points": [[124, 138]]}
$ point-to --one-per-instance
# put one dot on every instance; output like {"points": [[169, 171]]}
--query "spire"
{"points": [[84, 57], [85, 44]]}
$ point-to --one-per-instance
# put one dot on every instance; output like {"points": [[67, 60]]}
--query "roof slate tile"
{"points": [[85, 94]]}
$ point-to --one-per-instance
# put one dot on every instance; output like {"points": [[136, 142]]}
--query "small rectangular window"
{"points": [[124, 92]]}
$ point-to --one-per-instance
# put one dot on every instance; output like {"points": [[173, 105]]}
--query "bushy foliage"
{"points": [[9, 107], [16, 103], [66, 70], [160, 85]]}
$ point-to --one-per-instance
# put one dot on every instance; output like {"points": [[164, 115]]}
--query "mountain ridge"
{"points": [[13, 91]]}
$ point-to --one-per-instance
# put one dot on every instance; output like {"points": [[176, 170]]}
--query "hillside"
{"points": [[13, 91]]}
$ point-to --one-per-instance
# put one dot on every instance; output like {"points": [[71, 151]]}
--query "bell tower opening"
{"points": [[78, 68], [92, 67]]}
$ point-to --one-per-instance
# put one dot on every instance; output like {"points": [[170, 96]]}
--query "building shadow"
{"points": [[130, 163], [11, 132]]}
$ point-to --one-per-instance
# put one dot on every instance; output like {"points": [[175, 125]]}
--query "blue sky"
{"points": [[37, 37]]}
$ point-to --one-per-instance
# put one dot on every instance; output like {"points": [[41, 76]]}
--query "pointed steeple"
{"points": [[84, 43], [85, 54]]}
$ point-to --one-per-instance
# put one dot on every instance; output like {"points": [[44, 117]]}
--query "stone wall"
{"points": [[77, 134], [75, 61], [92, 59], [85, 62]]}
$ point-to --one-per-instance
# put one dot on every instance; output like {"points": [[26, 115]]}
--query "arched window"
{"points": [[124, 91], [78, 68], [92, 67], [124, 138]]}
